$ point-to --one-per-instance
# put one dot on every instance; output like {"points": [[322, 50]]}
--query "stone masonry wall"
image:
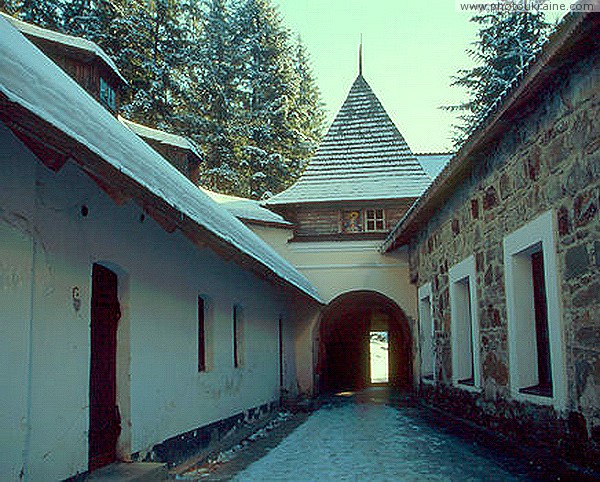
{"points": [[548, 159]]}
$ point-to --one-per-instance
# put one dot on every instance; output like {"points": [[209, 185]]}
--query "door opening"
{"points": [[105, 423], [379, 356]]}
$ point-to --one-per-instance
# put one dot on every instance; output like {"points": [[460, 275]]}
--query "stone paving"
{"points": [[379, 435]]}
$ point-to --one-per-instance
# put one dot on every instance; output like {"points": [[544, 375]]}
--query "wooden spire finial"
{"points": [[360, 56]]}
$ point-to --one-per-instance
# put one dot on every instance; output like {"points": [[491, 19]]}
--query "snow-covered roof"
{"points": [[247, 209], [64, 39], [163, 137], [433, 162], [362, 157], [32, 81]]}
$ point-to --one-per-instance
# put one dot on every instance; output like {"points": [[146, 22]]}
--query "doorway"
{"points": [[379, 357], [105, 422], [344, 344]]}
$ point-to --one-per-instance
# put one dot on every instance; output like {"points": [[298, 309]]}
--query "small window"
{"points": [[281, 354], [374, 220], [537, 371], [201, 335], [237, 335], [426, 333], [464, 324], [107, 94]]}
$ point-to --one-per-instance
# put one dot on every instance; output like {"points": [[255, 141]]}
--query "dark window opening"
{"points": [[280, 353], [542, 338], [201, 336], [236, 361]]}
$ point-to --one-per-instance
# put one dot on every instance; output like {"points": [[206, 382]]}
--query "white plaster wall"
{"points": [[162, 275]]}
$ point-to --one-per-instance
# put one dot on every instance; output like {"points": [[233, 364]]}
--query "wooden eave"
{"points": [[553, 57], [44, 137]]}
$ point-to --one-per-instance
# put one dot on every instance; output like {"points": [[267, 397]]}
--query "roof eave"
{"points": [[122, 188]]}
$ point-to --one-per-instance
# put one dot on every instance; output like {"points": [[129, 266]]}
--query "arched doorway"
{"points": [[344, 340]]}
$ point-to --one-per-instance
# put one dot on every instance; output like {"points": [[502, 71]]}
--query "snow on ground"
{"points": [[371, 442]]}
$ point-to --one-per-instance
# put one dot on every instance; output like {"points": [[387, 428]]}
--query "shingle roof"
{"points": [[363, 156]]}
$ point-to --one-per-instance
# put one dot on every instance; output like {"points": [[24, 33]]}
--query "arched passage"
{"points": [[343, 348]]}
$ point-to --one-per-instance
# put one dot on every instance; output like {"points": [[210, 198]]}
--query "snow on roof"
{"points": [[363, 156], [163, 137], [247, 209], [433, 162], [30, 79], [64, 39]]}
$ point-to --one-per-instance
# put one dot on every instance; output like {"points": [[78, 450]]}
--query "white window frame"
{"points": [[375, 219], [458, 274], [426, 334], [518, 247]]}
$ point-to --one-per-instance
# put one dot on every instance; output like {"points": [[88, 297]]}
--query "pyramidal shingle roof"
{"points": [[362, 157]]}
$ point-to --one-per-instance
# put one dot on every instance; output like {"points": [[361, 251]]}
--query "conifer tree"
{"points": [[214, 96], [45, 13], [269, 87], [505, 44]]}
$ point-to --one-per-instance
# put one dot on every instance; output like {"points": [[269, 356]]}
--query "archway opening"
{"points": [[359, 331]]}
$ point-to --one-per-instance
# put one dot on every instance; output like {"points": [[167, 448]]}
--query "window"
{"points": [[426, 330], [107, 94], [281, 355], [464, 324], [237, 336], [363, 220], [374, 220], [533, 309], [201, 335]]}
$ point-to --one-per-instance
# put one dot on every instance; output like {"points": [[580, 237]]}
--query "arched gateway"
{"points": [[343, 361]]}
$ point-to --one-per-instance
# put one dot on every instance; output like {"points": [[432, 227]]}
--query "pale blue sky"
{"points": [[411, 49]]}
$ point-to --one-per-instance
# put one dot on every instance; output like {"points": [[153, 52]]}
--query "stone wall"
{"points": [[548, 158]]}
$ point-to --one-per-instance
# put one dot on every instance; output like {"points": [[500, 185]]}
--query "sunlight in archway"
{"points": [[379, 350]]}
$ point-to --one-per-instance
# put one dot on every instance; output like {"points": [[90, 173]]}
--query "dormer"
{"points": [[82, 59]]}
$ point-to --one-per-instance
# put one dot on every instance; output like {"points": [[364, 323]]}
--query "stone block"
{"points": [[475, 208], [576, 261], [564, 225], [495, 369], [584, 209], [587, 295], [490, 198]]}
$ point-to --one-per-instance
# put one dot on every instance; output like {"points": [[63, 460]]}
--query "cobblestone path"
{"points": [[366, 442]]}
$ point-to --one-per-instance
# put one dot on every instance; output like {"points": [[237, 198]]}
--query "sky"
{"points": [[411, 49]]}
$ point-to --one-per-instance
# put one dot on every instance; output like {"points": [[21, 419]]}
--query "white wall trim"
{"points": [[324, 246], [351, 266], [540, 231], [457, 273]]}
